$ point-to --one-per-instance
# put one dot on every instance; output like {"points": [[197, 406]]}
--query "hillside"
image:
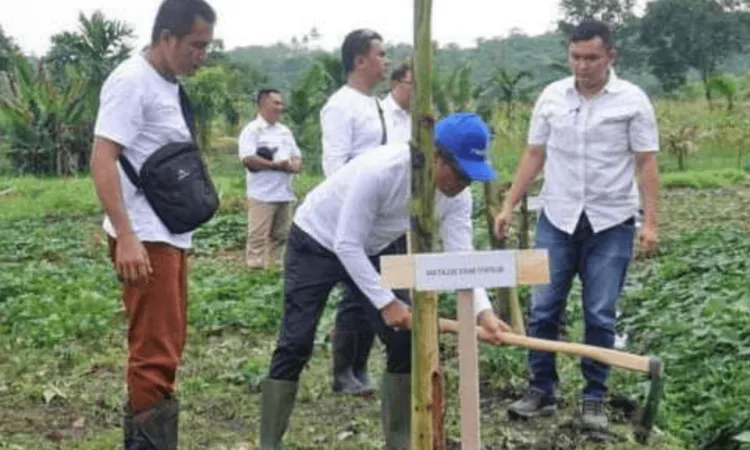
{"points": [[284, 64]]}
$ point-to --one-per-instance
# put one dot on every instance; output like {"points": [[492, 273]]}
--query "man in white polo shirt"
{"points": [[396, 104], [352, 122], [337, 234], [591, 133], [271, 157], [139, 113]]}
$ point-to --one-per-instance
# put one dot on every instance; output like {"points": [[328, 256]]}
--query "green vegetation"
{"points": [[62, 329]]}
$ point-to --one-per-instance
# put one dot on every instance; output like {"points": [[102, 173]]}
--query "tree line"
{"points": [[48, 105]]}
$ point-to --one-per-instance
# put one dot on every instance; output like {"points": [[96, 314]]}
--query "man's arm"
{"points": [[336, 134], [357, 214], [647, 168], [644, 141], [248, 152], [118, 122], [532, 163], [106, 180]]}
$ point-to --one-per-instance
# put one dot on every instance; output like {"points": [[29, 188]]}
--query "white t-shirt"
{"points": [[269, 185], [350, 125], [140, 110]]}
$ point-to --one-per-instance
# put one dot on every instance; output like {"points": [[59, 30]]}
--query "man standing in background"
{"points": [[270, 154], [397, 104], [139, 113], [591, 132], [352, 122]]}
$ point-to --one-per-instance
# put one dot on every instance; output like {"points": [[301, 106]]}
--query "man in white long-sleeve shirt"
{"points": [[352, 122], [396, 104], [336, 235]]}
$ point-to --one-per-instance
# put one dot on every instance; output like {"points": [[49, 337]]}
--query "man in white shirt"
{"points": [[591, 133], [396, 104], [352, 122], [337, 234], [139, 113], [270, 154]]}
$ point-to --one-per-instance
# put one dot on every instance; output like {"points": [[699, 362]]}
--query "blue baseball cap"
{"points": [[465, 137]]}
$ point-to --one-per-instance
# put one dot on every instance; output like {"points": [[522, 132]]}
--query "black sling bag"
{"points": [[175, 180]]}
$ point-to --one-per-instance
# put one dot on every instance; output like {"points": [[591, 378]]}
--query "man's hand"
{"points": [[284, 166], [131, 259], [492, 328], [397, 315], [648, 238], [502, 223]]}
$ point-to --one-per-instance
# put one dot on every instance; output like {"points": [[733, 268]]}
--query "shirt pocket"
{"points": [[562, 123], [610, 131]]}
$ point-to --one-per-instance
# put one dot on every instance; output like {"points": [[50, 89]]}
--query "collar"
{"points": [[613, 85], [391, 102], [263, 122]]}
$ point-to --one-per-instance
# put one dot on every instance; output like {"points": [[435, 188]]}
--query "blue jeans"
{"points": [[601, 261]]}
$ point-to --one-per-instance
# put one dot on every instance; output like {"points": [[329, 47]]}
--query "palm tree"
{"points": [[95, 50]]}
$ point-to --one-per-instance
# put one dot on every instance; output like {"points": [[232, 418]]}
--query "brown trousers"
{"points": [[267, 232], [157, 325]]}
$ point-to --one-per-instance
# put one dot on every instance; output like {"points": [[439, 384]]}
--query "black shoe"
{"points": [[533, 404]]}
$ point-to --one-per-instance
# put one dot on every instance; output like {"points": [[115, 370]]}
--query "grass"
{"points": [[62, 330]]}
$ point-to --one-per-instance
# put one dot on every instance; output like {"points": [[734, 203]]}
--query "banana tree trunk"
{"points": [[427, 414]]}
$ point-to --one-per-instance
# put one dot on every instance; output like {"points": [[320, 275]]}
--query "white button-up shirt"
{"points": [[590, 151], [364, 207], [268, 185], [350, 124], [399, 120]]}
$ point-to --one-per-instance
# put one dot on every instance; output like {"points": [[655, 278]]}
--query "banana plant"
{"points": [[43, 123]]}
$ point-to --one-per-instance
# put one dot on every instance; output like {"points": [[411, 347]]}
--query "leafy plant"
{"points": [[701, 279], [44, 123]]}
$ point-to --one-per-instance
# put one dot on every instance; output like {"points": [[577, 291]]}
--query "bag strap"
{"points": [[384, 137], [187, 113]]}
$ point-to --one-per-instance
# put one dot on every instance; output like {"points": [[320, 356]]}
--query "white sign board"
{"points": [[464, 270]]}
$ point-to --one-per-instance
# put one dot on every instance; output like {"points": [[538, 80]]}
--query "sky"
{"points": [[245, 22]]}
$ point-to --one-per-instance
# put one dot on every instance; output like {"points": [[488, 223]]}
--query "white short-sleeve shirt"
{"points": [[269, 186], [140, 110], [398, 120], [590, 147]]}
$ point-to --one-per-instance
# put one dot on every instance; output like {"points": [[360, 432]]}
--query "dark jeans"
{"points": [[350, 312], [310, 273], [601, 261]]}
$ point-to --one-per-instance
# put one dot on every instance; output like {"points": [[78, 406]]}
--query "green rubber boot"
{"points": [[395, 410], [276, 407]]}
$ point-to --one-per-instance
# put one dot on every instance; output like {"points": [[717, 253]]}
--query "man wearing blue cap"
{"points": [[336, 234]]}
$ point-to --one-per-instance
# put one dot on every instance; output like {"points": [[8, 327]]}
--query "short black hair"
{"points": [[399, 73], [357, 43], [589, 29], [264, 93], [178, 16]]}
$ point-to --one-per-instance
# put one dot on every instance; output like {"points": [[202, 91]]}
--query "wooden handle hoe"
{"points": [[650, 365]]}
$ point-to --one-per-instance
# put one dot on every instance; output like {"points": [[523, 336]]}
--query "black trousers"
{"points": [[310, 273]]}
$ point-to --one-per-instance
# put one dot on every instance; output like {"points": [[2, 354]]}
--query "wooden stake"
{"points": [[426, 377]]}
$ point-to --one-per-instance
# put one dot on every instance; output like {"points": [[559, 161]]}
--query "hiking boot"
{"points": [[593, 415], [154, 428], [276, 406], [344, 353], [395, 410], [534, 403]]}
